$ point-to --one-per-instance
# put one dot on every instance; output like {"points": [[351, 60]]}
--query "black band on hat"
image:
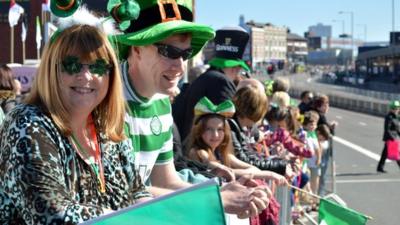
{"points": [[152, 16]]}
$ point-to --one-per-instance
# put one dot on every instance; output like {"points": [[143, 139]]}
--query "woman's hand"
{"points": [[279, 179]]}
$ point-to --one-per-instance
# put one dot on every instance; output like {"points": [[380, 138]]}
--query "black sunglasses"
{"points": [[72, 66], [172, 52]]}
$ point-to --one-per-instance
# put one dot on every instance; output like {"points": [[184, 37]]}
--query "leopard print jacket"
{"points": [[44, 181]]}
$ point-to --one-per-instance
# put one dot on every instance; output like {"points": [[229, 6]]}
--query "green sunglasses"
{"points": [[72, 66]]}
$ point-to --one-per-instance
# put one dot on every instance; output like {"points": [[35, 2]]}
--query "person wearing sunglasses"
{"points": [[219, 82], [154, 49], [64, 157]]}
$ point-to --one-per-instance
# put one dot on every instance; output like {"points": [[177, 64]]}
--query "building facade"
{"points": [[297, 48], [380, 63], [267, 44], [320, 30], [275, 43]]}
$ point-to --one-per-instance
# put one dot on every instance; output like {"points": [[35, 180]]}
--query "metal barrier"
{"points": [[282, 195]]}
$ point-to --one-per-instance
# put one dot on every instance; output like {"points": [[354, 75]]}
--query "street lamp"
{"points": [[352, 26], [343, 30], [365, 30], [393, 20]]}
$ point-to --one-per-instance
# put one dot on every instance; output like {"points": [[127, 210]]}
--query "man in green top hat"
{"points": [[391, 132], [219, 82], [153, 49]]}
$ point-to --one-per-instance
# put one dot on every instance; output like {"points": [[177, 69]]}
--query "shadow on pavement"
{"points": [[354, 174]]}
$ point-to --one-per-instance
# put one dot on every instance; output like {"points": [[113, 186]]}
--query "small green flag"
{"points": [[198, 205], [331, 213]]}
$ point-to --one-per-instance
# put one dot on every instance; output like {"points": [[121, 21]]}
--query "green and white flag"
{"points": [[197, 205], [331, 213]]}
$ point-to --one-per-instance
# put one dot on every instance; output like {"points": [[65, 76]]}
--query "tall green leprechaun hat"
{"points": [[230, 43], [158, 19], [64, 8]]}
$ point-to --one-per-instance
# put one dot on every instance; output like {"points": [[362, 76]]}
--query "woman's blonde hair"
{"points": [[197, 142], [251, 103], [88, 43]]}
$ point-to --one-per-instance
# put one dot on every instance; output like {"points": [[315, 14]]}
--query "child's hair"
{"points": [[280, 84], [250, 103], [310, 117], [275, 114], [305, 94], [319, 100], [324, 131], [292, 122], [286, 114], [197, 142]]}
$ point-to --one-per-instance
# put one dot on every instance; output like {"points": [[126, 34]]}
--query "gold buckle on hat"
{"points": [[164, 18]]}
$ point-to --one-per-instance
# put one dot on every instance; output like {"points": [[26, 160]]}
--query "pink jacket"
{"points": [[283, 136]]}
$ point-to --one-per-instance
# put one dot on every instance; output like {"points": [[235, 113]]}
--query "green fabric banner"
{"points": [[198, 205], [331, 213]]}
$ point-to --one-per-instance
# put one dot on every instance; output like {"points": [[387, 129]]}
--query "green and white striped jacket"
{"points": [[148, 125]]}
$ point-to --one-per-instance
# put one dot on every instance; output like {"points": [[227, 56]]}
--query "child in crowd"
{"points": [[306, 98], [310, 124], [211, 141], [321, 105], [251, 105], [324, 136], [283, 126]]}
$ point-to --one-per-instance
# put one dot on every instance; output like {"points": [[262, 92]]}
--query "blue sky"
{"points": [[298, 15]]}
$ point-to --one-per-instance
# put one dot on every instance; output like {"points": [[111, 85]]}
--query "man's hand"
{"points": [[245, 197]]}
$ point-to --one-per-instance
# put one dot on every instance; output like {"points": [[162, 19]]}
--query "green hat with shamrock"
{"points": [[157, 20]]}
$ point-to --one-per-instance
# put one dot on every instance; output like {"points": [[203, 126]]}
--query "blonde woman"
{"points": [[64, 159]]}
